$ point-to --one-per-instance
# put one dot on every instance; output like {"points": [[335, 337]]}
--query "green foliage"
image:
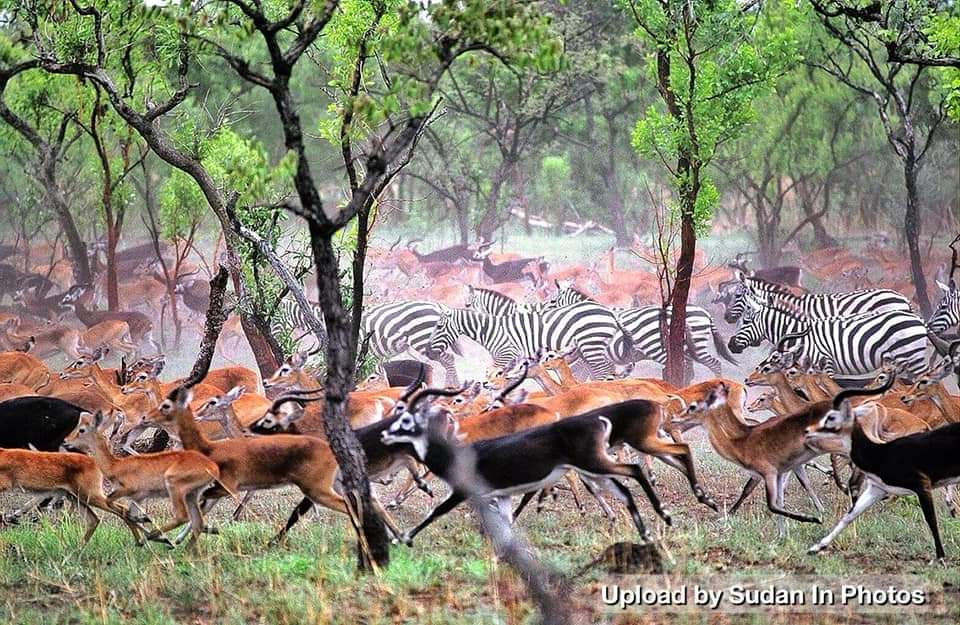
{"points": [[721, 60]]}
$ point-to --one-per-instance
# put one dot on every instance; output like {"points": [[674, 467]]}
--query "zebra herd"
{"points": [[606, 339], [850, 335]]}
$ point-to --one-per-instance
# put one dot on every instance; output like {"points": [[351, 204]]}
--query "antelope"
{"points": [[259, 462], [235, 411], [769, 401], [548, 451], [11, 390], [141, 328], [60, 473], [224, 379], [48, 340], [39, 422], [177, 475], [113, 334], [930, 386], [363, 408], [382, 460], [769, 452], [911, 465]]}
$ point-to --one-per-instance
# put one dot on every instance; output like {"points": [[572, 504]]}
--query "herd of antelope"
{"points": [[855, 375]]}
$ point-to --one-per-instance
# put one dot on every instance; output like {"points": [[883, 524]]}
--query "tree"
{"points": [[711, 62], [413, 52], [902, 94], [113, 204], [49, 140]]}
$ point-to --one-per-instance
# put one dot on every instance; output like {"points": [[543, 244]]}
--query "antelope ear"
{"points": [[236, 392], [98, 420], [298, 360], [846, 410], [738, 275]]}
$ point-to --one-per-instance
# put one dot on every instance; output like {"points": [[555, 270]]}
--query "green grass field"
{"points": [[449, 575]]}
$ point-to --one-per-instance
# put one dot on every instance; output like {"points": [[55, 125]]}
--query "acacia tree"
{"points": [[902, 95], [712, 59], [417, 53], [413, 52], [109, 147], [49, 137]]}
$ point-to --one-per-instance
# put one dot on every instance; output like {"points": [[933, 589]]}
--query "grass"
{"points": [[450, 575]]}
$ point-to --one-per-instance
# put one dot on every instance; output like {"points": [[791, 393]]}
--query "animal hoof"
{"points": [[815, 549], [210, 529]]}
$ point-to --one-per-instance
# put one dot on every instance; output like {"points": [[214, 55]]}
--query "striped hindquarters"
{"points": [[394, 327], [858, 345]]}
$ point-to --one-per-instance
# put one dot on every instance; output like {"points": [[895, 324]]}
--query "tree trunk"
{"points": [[266, 350], [340, 358], [676, 340], [78, 249], [821, 238], [359, 258], [911, 230], [113, 289], [488, 223]]}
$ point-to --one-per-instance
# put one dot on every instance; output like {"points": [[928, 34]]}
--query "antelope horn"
{"points": [[431, 392], [791, 337], [513, 385], [421, 376], [279, 401], [862, 392], [302, 392]]}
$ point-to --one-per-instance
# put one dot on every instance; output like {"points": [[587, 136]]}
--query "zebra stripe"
{"points": [[289, 317], [390, 329], [852, 346], [491, 302], [816, 305], [592, 328], [947, 313], [643, 325]]}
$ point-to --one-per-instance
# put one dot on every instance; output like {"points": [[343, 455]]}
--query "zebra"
{"points": [[406, 326], [815, 305], [947, 313], [852, 346], [289, 318], [642, 323], [492, 302], [600, 340]]}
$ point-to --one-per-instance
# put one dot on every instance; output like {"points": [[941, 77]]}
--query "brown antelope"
{"points": [[769, 401], [177, 475], [113, 334], [21, 368], [930, 387], [363, 408], [769, 452], [11, 390], [259, 462], [48, 340], [813, 377], [60, 473], [224, 379], [234, 411]]}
